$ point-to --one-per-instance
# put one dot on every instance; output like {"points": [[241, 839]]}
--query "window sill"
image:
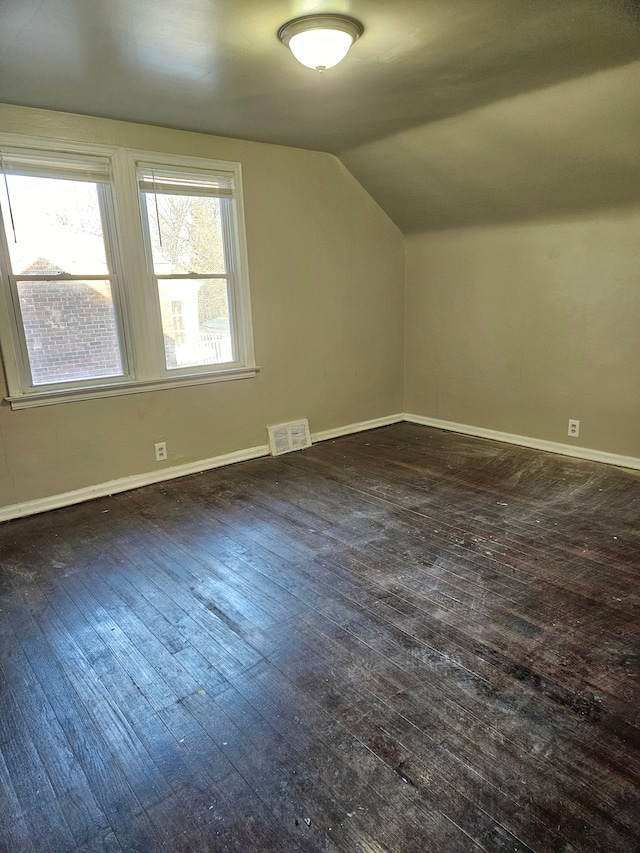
{"points": [[51, 398]]}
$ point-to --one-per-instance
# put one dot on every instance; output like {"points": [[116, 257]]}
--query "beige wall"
{"points": [[326, 268], [514, 328], [519, 328]]}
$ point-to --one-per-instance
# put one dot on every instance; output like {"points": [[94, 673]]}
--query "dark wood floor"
{"points": [[403, 640]]}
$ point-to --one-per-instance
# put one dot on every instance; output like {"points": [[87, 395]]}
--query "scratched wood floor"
{"points": [[403, 640]]}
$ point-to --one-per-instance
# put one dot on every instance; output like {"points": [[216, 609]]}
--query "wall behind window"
{"points": [[518, 328], [326, 270]]}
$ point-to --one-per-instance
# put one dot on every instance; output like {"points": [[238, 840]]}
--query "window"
{"points": [[112, 291], [186, 222]]}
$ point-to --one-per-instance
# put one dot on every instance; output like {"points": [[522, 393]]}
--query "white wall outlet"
{"points": [[161, 451], [574, 429]]}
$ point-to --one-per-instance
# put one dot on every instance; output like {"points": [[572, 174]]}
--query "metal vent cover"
{"points": [[284, 438]]}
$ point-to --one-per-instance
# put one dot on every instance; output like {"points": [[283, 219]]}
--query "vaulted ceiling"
{"points": [[450, 112]]}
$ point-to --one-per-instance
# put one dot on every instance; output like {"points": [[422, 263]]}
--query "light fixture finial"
{"points": [[320, 41]]}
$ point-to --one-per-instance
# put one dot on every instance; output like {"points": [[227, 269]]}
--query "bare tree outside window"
{"points": [[186, 235], [76, 318]]}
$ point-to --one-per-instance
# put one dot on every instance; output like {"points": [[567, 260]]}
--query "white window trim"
{"points": [[49, 398], [131, 264]]}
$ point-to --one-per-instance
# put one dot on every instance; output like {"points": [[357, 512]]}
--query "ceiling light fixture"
{"points": [[320, 41]]}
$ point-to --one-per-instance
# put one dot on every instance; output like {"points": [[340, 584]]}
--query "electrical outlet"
{"points": [[161, 451], [574, 429]]}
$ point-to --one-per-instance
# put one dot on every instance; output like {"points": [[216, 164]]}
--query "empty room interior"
{"points": [[320, 426]]}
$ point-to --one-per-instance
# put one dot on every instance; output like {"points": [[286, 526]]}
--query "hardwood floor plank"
{"points": [[571, 701], [227, 801], [615, 690], [84, 817], [295, 714], [121, 775], [13, 827], [401, 640]]}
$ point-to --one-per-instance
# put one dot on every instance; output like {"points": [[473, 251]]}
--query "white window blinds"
{"points": [[66, 167], [165, 181]]}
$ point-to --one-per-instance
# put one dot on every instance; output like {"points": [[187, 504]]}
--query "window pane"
{"points": [[186, 234], [195, 322], [58, 227], [70, 329]]}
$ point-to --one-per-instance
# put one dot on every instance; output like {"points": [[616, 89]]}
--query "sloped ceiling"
{"points": [[450, 112]]}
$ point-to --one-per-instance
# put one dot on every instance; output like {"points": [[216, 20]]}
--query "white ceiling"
{"points": [[450, 112]]}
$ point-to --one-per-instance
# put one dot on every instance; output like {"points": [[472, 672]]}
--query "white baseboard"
{"points": [[361, 426], [526, 441], [124, 484]]}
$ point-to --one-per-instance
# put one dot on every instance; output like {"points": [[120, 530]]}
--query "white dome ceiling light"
{"points": [[320, 41]]}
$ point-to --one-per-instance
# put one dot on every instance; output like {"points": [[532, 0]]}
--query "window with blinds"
{"points": [[75, 318], [186, 219], [59, 269]]}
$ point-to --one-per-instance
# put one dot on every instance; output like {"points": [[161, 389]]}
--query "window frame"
{"points": [[135, 293], [231, 264], [16, 356]]}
